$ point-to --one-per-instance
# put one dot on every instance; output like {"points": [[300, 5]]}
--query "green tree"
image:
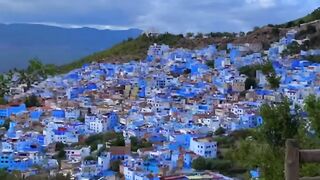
{"points": [[210, 63], [220, 165], [119, 141], [36, 71], [290, 24], [81, 119], [3, 101], [89, 158], [312, 107], [60, 146], [292, 49], [267, 68], [199, 35], [4, 85], [250, 82], [275, 31], [139, 143], [32, 101], [264, 147], [115, 165], [220, 131], [6, 123], [25, 79], [256, 153], [199, 164], [40, 71], [61, 154], [189, 34], [4, 175], [301, 21], [274, 81], [279, 123]]}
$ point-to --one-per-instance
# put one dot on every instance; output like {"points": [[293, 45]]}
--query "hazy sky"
{"points": [[177, 16]]}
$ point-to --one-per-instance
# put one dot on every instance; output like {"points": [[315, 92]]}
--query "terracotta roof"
{"points": [[146, 149], [119, 150]]}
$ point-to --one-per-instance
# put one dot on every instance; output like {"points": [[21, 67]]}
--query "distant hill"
{"points": [[137, 48], [54, 45]]}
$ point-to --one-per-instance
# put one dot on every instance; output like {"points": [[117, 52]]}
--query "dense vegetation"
{"points": [[210, 63], [61, 152], [139, 143], [35, 72], [264, 147], [201, 164], [115, 139], [266, 68], [315, 59], [32, 101]]}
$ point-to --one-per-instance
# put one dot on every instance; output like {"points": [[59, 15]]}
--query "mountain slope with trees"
{"points": [[134, 49]]}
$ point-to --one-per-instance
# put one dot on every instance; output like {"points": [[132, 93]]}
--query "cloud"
{"points": [[178, 16], [262, 3]]}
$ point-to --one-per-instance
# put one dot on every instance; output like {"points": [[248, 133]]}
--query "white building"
{"points": [[158, 50], [72, 113], [77, 154], [95, 124], [104, 161], [204, 147], [128, 173], [57, 133]]}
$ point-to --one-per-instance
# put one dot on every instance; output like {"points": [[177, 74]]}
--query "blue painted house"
{"points": [[35, 115], [113, 120], [58, 113]]}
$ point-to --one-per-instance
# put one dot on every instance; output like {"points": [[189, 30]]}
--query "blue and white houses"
{"points": [[204, 146]]}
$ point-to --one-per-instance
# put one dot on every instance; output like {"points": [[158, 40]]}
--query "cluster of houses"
{"points": [[172, 99]]}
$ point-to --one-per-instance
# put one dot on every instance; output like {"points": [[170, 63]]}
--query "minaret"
{"points": [[127, 142]]}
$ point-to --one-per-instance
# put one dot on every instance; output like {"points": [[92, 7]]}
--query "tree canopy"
{"points": [[279, 123]]}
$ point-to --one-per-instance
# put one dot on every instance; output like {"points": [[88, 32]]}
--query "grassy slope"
{"points": [[315, 15], [134, 49]]}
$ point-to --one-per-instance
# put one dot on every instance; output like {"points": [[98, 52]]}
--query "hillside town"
{"points": [[149, 119]]}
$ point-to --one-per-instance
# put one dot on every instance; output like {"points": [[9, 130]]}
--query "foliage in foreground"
{"points": [[265, 147]]}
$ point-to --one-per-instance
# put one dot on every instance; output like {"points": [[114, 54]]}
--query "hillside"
{"points": [[133, 49], [54, 45], [137, 48], [313, 16]]}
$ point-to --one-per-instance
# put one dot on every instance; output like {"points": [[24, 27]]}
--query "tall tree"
{"points": [[312, 107], [36, 71], [279, 123], [4, 85]]}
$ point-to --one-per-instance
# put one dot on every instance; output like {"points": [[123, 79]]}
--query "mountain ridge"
{"points": [[21, 42]]}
